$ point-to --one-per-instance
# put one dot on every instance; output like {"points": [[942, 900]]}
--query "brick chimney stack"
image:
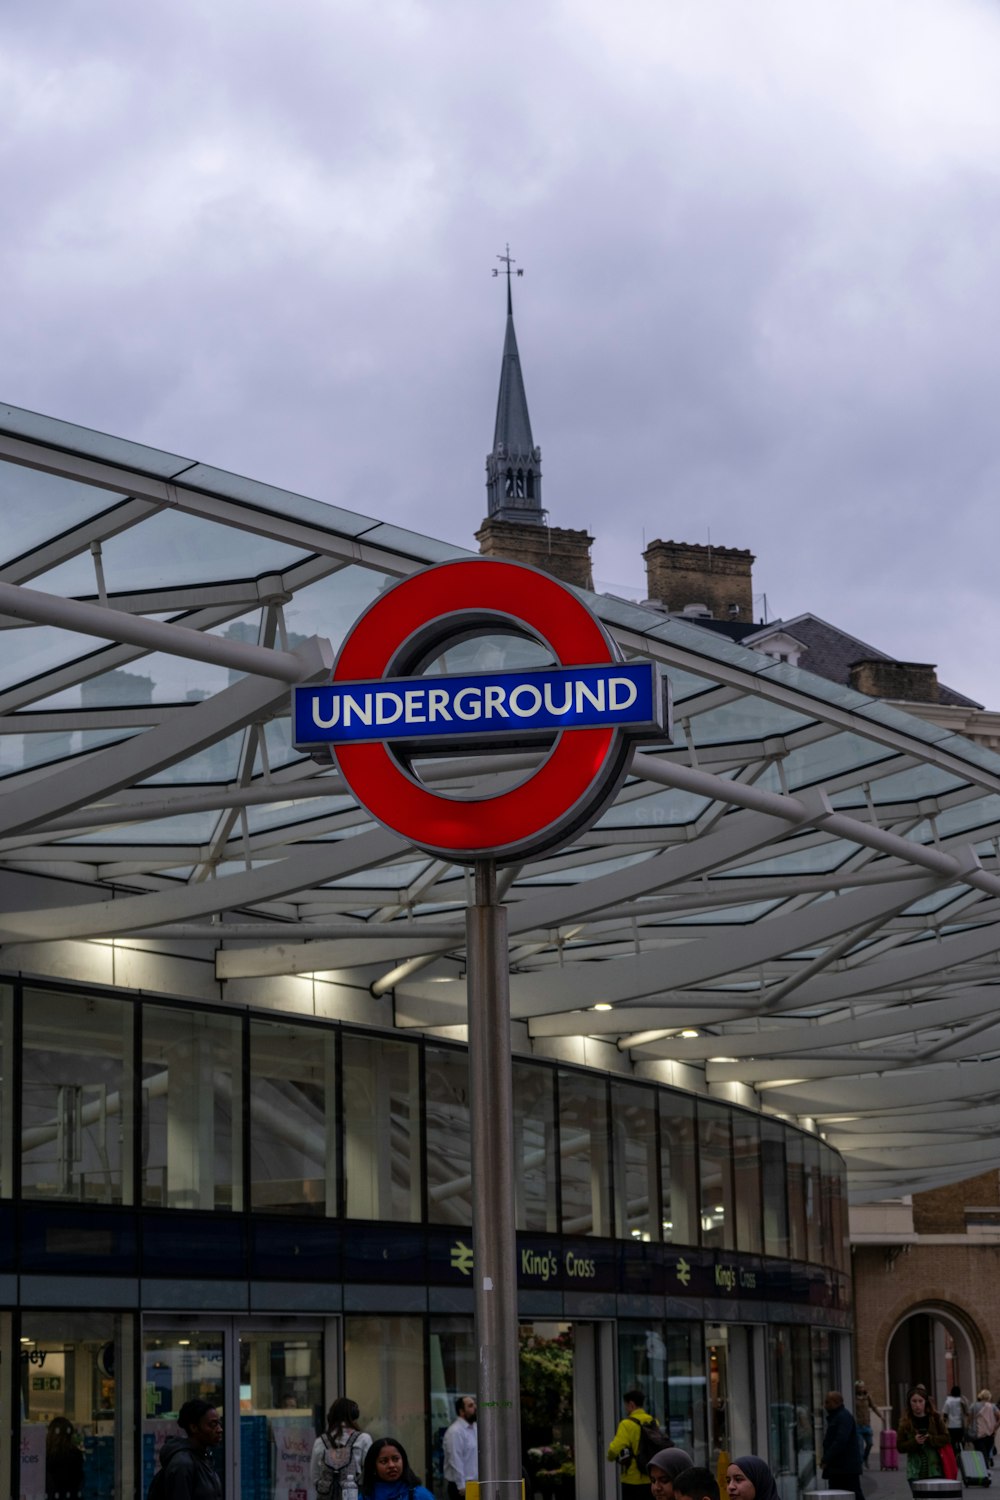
{"points": [[904, 681], [679, 574]]}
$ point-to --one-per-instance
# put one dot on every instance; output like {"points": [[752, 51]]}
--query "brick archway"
{"points": [[955, 1315]]}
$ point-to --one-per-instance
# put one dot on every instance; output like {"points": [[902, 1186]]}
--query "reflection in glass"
{"points": [[535, 1152], [633, 1125], [384, 1372], [583, 1153], [293, 1118], [76, 1098], [642, 1364], [454, 1371], [774, 1195], [77, 1403], [746, 1174], [795, 1163], [686, 1388], [192, 1109], [449, 1149], [381, 1128], [732, 1396], [178, 1366], [715, 1163], [678, 1169], [6, 1100], [814, 1201], [281, 1402]]}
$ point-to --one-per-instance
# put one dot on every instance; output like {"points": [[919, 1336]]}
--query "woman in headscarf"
{"points": [[921, 1436], [664, 1468], [750, 1478]]}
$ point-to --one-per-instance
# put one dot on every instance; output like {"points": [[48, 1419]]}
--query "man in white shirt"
{"points": [[461, 1448]]}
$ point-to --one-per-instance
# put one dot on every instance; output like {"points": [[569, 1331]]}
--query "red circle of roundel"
{"points": [[573, 772]]}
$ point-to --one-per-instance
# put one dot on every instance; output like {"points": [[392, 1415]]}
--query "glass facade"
{"points": [[314, 1119], [257, 1149]]}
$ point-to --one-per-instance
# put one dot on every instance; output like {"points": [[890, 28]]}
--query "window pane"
{"points": [[454, 1371], [293, 1119], [583, 1153], [678, 1168], [77, 1405], [795, 1158], [192, 1109], [746, 1172], [6, 1097], [774, 1194], [449, 1151], [830, 1183], [686, 1389], [381, 1129], [535, 1152], [384, 1372], [642, 1364], [814, 1202], [715, 1165], [637, 1206], [76, 1111]]}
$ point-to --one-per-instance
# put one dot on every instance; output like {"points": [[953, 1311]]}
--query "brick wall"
{"points": [[911, 681], [554, 549], [891, 1281], [682, 573], [943, 1210]]}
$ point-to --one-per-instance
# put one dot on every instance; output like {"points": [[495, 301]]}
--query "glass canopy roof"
{"points": [[805, 883]]}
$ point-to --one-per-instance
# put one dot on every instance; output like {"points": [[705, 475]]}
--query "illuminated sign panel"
{"points": [[501, 703], [583, 714]]}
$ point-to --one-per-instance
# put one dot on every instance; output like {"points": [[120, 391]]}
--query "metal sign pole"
{"points": [[495, 1240]]}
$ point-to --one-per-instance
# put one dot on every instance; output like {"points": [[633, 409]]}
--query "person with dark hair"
{"points": [[696, 1484], [750, 1478], [387, 1475], [841, 1449], [461, 1448], [664, 1468], [63, 1461], [921, 1436], [624, 1446], [863, 1418], [186, 1467], [339, 1453]]}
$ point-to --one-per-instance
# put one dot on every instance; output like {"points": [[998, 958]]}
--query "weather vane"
{"points": [[508, 261]]}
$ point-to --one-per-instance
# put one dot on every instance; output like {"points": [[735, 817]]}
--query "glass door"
{"points": [[281, 1409], [276, 1375], [181, 1361]]}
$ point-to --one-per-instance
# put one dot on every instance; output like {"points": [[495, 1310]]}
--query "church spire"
{"points": [[514, 468]]}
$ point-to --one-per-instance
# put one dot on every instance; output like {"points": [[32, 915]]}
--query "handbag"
{"points": [[949, 1463]]}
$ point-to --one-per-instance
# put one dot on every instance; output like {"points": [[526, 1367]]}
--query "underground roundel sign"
{"points": [[383, 711]]}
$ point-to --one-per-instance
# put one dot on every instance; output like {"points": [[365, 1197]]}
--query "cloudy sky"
{"points": [[761, 242]]}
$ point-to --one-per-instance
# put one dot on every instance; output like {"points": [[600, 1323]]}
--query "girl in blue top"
{"points": [[387, 1474]]}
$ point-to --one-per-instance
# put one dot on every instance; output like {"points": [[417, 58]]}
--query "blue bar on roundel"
{"points": [[629, 696]]}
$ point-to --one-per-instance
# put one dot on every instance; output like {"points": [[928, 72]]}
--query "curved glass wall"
{"points": [[318, 1119]]}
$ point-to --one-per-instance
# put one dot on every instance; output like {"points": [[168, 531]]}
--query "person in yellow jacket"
{"points": [[626, 1441]]}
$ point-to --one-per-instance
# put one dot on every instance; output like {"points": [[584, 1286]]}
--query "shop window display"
{"points": [[76, 1400]]}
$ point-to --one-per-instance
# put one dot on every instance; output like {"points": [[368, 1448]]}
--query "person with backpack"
{"points": [[338, 1454], [636, 1442], [983, 1423], [186, 1470], [386, 1474]]}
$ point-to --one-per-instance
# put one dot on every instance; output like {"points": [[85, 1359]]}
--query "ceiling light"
{"points": [[689, 1034], [602, 1005], [722, 1059]]}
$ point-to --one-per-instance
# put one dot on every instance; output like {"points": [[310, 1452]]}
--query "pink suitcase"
{"points": [[888, 1456]]}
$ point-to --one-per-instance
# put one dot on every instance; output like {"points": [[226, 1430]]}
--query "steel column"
{"points": [[495, 1241]]}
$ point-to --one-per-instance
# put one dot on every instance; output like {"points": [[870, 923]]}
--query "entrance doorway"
{"points": [[733, 1352], [931, 1345], [266, 1377], [567, 1409]]}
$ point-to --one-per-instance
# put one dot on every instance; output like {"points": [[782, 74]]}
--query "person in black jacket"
{"points": [[188, 1471], [841, 1449]]}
